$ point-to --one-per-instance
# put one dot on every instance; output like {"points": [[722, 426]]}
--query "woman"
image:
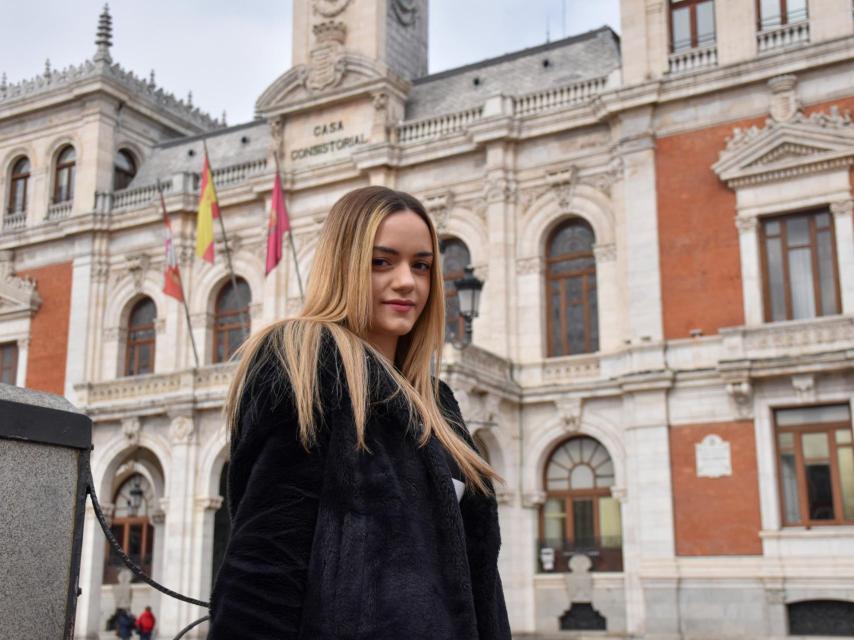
{"points": [[346, 523]]}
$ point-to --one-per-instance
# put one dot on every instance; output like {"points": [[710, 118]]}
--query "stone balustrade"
{"points": [[438, 126], [232, 174], [791, 338], [693, 59], [558, 97], [785, 36], [59, 210], [16, 220]]}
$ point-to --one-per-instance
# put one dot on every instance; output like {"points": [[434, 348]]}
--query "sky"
{"points": [[228, 52]]}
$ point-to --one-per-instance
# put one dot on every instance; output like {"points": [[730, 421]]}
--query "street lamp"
{"points": [[136, 495], [468, 293]]}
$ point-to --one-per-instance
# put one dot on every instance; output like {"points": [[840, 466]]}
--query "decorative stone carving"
{"points": [[804, 386], [579, 582], [100, 270], [17, 295], [533, 499], [563, 184], [784, 100], [741, 393], [798, 145], [329, 8], [327, 66], [137, 266], [181, 429], [569, 410], [406, 11], [130, 429], [605, 252], [745, 224], [534, 264], [208, 503], [605, 180], [499, 188], [841, 208], [620, 494], [439, 207]]}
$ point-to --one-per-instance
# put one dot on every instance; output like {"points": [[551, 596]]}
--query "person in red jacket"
{"points": [[145, 624]]}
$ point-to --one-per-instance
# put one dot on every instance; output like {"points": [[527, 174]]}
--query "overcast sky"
{"points": [[228, 52]]}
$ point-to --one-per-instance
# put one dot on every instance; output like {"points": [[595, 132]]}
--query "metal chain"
{"points": [[135, 568]]}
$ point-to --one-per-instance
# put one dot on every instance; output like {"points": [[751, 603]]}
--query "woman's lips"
{"points": [[401, 307]]}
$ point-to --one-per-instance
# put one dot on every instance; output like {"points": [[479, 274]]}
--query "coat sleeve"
{"points": [[274, 488]]}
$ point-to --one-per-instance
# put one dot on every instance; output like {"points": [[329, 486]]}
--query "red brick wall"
{"points": [[698, 241], [715, 516], [49, 328]]}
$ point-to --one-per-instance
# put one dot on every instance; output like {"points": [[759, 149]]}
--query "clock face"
{"points": [[128, 494]]}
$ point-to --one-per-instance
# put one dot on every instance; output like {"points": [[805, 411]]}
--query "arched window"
{"points": [[579, 515], [139, 356], [231, 322], [131, 527], [63, 178], [18, 186], [124, 169], [572, 320], [455, 257]]}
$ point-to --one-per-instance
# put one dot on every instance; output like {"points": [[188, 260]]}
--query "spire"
{"points": [[224, 123], [47, 69], [104, 36], [151, 82], [3, 83], [190, 99]]}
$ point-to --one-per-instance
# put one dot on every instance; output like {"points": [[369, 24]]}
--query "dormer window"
{"points": [[124, 169], [692, 24]]}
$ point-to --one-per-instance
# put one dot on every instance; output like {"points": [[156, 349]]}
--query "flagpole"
{"points": [[225, 241], [291, 237], [181, 282]]}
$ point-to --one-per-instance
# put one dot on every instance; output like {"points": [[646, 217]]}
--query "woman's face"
{"points": [[400, 278]]}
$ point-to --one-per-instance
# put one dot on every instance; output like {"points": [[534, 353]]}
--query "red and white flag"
{"points": [[276, 225], [171, 273]]}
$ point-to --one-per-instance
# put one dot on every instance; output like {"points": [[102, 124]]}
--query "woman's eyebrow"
{"points": [[395, 252]]}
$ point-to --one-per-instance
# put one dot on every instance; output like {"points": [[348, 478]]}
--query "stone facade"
{"points": [[673, 160]]}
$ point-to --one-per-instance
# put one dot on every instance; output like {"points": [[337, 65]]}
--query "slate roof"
{"points": [[226, 147], [588, 55]]}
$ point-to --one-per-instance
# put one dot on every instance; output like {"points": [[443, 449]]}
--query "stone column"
{"points": [[844, 230], [88, 616], [636, 146], [648, 524], [499, 293], [204, 511], [179, 542], [608, 290], [78, 322], [751, 270]]}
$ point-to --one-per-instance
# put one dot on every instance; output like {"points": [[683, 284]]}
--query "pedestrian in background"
{"points": [[145, 624]]}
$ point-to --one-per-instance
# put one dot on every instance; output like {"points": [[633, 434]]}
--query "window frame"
{"points": [[12, 347], [117, 171], [814, 263], [14, 180], [64, 174], [692, 11], [585, 275], [242, 320], [828, 428], [784, 16], [133, 346]]}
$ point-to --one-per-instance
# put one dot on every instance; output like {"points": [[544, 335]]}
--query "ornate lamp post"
{"points": [[136, 495], [468, 293]]}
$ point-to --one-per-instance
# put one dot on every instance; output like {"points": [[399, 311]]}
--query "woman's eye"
{"points": [[422, 266], [379, 262]]}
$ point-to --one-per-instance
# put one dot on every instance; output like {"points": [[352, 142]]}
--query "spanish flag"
{"points": [[208, 210]]}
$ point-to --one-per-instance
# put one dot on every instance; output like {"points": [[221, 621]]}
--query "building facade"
{"points": [[662, 365]]}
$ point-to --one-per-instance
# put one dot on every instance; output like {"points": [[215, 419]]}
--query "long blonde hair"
{"points": [[338, 300]]}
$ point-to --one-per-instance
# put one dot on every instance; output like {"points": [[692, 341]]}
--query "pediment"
{"points": [[18, 297], [298, 84], [803, 144]]}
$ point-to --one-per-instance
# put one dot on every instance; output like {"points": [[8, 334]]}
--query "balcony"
{"points": [[605, 553], [781, 37], [15, 220], [59, 210], [693, 59]]}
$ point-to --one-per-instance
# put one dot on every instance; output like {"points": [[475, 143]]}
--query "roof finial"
{"points": [[104, 38], [151, 79], [47, 70], [189, 98], [224, 123], [3, 82]]}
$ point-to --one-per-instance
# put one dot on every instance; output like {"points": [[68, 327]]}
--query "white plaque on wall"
{"points": [[713, 457]]}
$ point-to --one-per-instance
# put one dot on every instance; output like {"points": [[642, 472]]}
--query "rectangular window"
{"points": [[9, 363], [800, 273], [815, 458], [777, 13], [692, 24]]}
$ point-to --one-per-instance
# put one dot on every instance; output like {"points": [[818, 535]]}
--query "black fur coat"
{"points": [[340, 545]]}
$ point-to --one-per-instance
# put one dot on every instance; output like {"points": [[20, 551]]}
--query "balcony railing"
{"points": [[438, 126], [15, 220], [558, 97], [692, 59], [781, 37], [605, 553], [59, 210]]}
